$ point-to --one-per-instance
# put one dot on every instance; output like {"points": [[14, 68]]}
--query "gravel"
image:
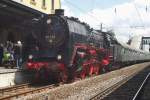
{"points": [[85, 89]]}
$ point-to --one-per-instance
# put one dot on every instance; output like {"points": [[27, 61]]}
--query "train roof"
{"points": [[130, 47]]}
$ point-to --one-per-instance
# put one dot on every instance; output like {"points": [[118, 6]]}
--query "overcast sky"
{"points": [[126, 17]]}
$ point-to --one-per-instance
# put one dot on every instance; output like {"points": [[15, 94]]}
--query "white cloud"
{"points": [[68, 11], [127, 16]]}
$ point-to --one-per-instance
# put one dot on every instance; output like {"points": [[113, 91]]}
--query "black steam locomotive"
{"points": [[61, 48]]}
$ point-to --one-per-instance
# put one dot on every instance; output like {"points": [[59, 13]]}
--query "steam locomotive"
{"points": [[62, 48]]}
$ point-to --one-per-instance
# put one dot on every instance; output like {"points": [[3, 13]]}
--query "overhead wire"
{"points": [[83, 11], [147, 5], [91, 14], [75, 6], [139, 15]]}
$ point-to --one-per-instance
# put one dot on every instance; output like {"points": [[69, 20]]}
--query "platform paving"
{"points": [[4, 70]]}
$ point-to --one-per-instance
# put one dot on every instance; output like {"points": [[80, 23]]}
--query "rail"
{"points": [[13, 87], [25, 90], [141, 87]]}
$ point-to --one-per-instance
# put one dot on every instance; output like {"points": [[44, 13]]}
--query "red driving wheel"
{"points": [[97, 70], [63, 76], [91, 70], [83, 74]]}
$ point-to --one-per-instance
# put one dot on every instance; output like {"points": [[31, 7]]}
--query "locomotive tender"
{"points": [[61, 48]]}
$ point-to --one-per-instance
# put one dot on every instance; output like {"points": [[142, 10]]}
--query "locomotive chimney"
{"points": [[59, 12]]}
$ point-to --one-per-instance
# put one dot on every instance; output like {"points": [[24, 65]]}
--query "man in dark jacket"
{"points": [[1, 53], [17, 53]]}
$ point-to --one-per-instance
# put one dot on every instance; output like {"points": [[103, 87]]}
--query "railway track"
{"points": [[136, 88], [110, 90], [104, 93], [141, 94], [22, 90]]}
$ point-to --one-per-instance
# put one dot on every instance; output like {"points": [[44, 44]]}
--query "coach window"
{"points": [[130, 51], [127, 51], [124, 51], [134, 53]]}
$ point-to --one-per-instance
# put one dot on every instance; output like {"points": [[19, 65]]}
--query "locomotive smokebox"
{"points": [[59, 12]]}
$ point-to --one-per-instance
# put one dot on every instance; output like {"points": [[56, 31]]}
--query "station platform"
{"points": [[4, 70], [7, 77], [15, 76]]}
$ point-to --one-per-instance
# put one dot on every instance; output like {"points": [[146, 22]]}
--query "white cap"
{"points": [[19, 42]]}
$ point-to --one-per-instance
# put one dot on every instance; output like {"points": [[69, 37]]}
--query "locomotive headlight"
{"points": [[30, 56], [59, 57]]}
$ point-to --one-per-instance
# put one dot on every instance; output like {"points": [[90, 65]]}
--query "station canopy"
{"points": [[13, 13]]}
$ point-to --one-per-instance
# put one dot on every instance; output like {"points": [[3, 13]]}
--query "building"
{"points": [[13, 17], [15, 13], [145, 45], [45, 6], [139, 42]]}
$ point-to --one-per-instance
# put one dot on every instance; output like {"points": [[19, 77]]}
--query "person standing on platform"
{"points": [[17, 54], [1, 53]]}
